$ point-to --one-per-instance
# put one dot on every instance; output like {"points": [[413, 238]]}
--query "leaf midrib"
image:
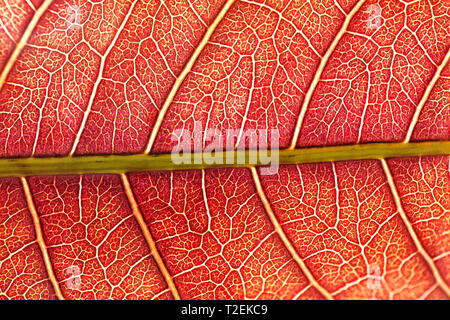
{"points": [[162, 162]]}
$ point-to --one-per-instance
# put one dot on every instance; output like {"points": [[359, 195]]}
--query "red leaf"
{"points": [[82, 78]]}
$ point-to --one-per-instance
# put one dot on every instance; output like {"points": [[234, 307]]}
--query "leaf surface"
{"points": [[119, 77]]}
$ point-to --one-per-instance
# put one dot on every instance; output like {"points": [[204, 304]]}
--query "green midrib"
{"points": [[160, 162]]}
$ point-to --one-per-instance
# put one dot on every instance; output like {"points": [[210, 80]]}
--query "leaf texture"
{"points": [[114, 77]]}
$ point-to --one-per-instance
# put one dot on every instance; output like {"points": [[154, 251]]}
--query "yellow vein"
{"points": [[440, 281], [318, 73], [148, 237], [99, 78], [425, 96], [287, 243], [23, 41], [187, 68], [40, 238], [29, 199], [228, 159]]}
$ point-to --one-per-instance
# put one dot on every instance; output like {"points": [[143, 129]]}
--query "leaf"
{"points": [[119, 77]]}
